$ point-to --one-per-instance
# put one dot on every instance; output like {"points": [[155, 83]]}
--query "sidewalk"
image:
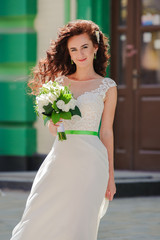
{"points": [[129, 183], [126, 218]]}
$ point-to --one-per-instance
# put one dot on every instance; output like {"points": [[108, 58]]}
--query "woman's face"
{"points": [[81, 49]]}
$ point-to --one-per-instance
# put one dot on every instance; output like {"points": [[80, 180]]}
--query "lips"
{"points": [[81, 60]]}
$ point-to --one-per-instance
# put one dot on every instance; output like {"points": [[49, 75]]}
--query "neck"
{"points": [[83, 73]]}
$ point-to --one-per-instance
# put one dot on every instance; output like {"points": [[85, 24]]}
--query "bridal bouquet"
{"points": [[54, 102]]}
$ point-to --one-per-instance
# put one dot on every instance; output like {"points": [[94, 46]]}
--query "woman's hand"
{"points": [[53, 127], [111, 189]]}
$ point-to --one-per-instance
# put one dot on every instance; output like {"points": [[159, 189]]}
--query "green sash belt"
{"points": [[81, 132]]}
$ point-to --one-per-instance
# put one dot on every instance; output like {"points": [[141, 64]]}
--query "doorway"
{"points": [[135, 66]]}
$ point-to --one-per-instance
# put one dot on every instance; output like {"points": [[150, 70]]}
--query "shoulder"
{"points": [[109, 82], [110, 88]]}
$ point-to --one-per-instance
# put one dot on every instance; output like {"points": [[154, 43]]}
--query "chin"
{"points": [[84, 64]]}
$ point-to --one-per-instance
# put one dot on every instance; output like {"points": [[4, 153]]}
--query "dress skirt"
{"points": [[67, 198]]}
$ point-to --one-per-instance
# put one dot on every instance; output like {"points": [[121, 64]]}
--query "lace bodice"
{"points": [[90, 97]]}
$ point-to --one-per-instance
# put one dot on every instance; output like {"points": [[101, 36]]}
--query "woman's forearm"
{"points": [[108, 140], [52, 128]]}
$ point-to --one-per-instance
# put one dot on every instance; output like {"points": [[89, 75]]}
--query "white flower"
{"points": [[57, 90], [40, 109], [66, 108], [51, 97], [60, 104], [41, 101], [48, 85]]}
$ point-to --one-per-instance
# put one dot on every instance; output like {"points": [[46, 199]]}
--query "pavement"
{"points": [[133, 214], [126, 218], [128, 183]]}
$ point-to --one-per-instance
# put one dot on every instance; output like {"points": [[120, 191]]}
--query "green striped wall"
{"points": [[18, 48]]}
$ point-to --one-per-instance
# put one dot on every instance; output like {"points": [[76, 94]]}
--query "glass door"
{"points": [[122, 50], [150, 42], [135, 66], [147, 94]]}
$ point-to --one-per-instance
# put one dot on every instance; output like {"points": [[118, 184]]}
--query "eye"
{"points": [[85, 47], [73, 49]]}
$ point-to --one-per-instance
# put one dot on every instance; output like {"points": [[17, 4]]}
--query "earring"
{"points": [[94, 55], [71, 61]]}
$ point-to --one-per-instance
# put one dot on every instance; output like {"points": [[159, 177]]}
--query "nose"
{"points": [[80, 54]]}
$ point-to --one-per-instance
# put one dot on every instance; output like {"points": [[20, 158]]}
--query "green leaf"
{"points": [[66, 98], [65, 115], [46, 120], [67, 90], [44, 116], [55, 117], [44, 91], [76, 111], [55, 106], [48, 109], [37, 113]]}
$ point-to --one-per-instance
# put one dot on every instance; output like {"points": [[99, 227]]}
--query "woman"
{"points": [[74, 184]]}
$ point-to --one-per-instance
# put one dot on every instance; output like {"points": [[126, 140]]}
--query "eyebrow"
{"points": [[81, 46]]}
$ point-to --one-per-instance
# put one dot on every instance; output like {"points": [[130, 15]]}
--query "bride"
{"points": [[75, 182]]}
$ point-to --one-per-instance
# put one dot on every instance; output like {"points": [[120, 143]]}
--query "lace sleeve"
{"points": [[107, 83]]}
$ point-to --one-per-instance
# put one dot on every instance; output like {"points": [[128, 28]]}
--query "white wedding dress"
{"points": [[67, 198]]}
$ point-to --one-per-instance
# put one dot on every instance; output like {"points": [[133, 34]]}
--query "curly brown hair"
{"points": [[58, 61]]}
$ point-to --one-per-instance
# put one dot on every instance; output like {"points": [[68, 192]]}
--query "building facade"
{"points": [[133, 27]]}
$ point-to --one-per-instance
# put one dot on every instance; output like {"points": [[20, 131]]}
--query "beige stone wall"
{"points": [[51, 16]]}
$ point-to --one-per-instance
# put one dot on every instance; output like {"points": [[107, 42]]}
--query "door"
{"points": [[135, 66]]}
